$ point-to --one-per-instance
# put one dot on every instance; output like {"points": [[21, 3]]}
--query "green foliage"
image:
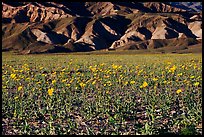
{"points": [[189, 130]]}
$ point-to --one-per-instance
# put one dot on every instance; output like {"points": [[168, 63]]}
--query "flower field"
{"points": [[102, 94]]}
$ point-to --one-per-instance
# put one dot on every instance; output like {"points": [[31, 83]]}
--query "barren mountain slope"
{"points": [[38, 27]]}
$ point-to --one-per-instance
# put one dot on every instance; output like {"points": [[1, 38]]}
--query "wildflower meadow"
{"points": [[102, 94]]}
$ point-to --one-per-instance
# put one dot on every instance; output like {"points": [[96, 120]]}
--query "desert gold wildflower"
{"points": [[13, 76], [178, 91], [68, 85], [14, 113], [168, 62], [19, 88], [64, 80], [94, 82], [183, 67], [198, 77], [53, 81], [132, 82], [82, 85], [126, 83], [144, 84], [137, 67], [114, 66], [196, 84], [180, 74], [172, 69], [155, 79], [27, 79], [164, 81], [50, 91]]}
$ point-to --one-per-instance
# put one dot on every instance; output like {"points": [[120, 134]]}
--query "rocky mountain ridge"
{"points": [[39, 27]]}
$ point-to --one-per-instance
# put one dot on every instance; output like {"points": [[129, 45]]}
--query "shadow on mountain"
{"points": [[58, 49], [134, 5], [83, 47], [77, 8], [57, 38], [117, 23], [181, 28], [145, 32], [6, 20]]}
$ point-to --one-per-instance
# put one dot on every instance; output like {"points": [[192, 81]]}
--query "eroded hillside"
{"points": [[47, 27]]}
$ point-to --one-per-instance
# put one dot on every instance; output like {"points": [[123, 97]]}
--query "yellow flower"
{"points": [[140, 72], [172, 69], [50, 91], [94, 82], [53, 81], [192, 76], [169, 63], [102, 64], [178, 91], [78, 73], [82, 84], [93, 69], [14, 113], [64, 80], [126, 83], [155, 79], [180, 74], [108, 82], [16, 98], [144, 84], [114, 66], [137, 67], [132, 82], [13, 76], [19, 88], [198, 77], [196, 84], [141, 86], [27, 79]]}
